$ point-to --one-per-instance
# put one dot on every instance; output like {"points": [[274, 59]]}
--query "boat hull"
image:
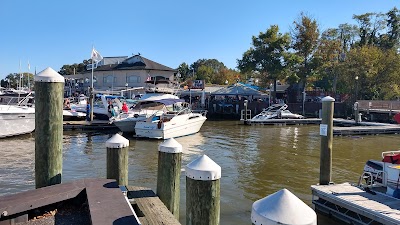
{"points": [[169, 129], [13, 124], [126, 125]]}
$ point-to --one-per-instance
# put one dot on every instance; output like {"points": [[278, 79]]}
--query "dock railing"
{"points": [[378, 104]]}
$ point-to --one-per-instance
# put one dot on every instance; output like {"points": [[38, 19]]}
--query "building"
{"points": [[118, 73]]}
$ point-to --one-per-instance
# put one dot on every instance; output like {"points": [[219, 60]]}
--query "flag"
{"points": [[95, 56], [29, 66]]}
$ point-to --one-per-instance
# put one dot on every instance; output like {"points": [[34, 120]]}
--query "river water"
{"points": [[256, 161]]}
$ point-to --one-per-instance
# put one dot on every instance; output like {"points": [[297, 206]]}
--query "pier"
{"points": [[354, 205], [85, 125]]}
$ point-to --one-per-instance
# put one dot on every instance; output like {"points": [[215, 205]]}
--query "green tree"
{"points": [[377, 70], [205, 73], [74, 68], [391, 40], [370, 25], [214, 64], [305, 36], [266, 55], [184, 71]]}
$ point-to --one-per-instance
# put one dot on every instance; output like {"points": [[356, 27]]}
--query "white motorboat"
{"points": [[100, 107], [16, 120], [149, 105], [181, 121], [385, 173], [71, 114], [161, 86], [277, 111]]}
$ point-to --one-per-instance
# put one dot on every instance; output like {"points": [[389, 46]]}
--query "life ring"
{"points": [[159, 124]]}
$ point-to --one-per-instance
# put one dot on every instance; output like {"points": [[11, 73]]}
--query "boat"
{"points": [[161, 86], [276, 111], [181, 121], [148, 105], [17, 119], [384, 173], [100, 106], [71, 114]]}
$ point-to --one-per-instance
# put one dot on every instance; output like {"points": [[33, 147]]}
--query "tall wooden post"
{"points": [[326, 132], [203, 192], [49, 96], [117, 159], [168, 176]]}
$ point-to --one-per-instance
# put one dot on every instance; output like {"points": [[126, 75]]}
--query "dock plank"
{"points": [[154, 212], [379, 207]]}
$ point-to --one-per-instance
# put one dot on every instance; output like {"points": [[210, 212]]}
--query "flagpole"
{"points": [[91, 91], [29, 82]]}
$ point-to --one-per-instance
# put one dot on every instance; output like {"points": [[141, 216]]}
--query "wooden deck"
{"points": [[354, 205], [149, 208], [284, 121], [84, 125], [364, 130]]}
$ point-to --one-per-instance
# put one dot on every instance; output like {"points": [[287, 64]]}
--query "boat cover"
{"points": [[394, 159]]}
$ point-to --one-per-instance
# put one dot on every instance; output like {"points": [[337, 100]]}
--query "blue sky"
{"points": [[53, 33]]}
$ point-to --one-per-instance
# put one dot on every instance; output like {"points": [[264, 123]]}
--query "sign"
{"points": [[197, 84], [323, 129]]}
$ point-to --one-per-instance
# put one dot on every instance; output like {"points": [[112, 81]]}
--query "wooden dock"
{"points": [[365, 130], [149, 208], [354, 205], [85, 125], [283, 121]]}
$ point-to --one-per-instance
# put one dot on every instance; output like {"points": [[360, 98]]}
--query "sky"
{"points": [[50, 33]]}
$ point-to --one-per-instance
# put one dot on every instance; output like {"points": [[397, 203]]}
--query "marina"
{"points": [[251, 167]]}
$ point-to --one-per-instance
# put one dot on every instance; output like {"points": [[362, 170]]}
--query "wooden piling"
{"points": [[203, 192], [356, 112], [117, 159], [326, 132], [49, 91], [168, 175]]}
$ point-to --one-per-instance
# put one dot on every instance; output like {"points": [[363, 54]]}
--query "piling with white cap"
{"points": [[117, 159], [203, 192], [49, 97], [326, 133], [282, 207], [168, 175]]}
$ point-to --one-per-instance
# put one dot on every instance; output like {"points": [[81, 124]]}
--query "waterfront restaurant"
{"points": [[114, 76]]}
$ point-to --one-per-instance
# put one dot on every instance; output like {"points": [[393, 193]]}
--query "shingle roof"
{"points": [[142, 64]]}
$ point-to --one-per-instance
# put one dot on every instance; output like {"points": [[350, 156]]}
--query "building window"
{"points": [[109, 79], [134, 79]]}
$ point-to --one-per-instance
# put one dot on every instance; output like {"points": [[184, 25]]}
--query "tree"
{"points": [[370, 25], [393, 25], [305, 34], [266, 55], [184, 71], [329, 53], [377, 70], [74, 68], [214, 64], [13, 80]]}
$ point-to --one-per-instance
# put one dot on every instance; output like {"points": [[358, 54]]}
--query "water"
{"points": [[256, 161]]}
